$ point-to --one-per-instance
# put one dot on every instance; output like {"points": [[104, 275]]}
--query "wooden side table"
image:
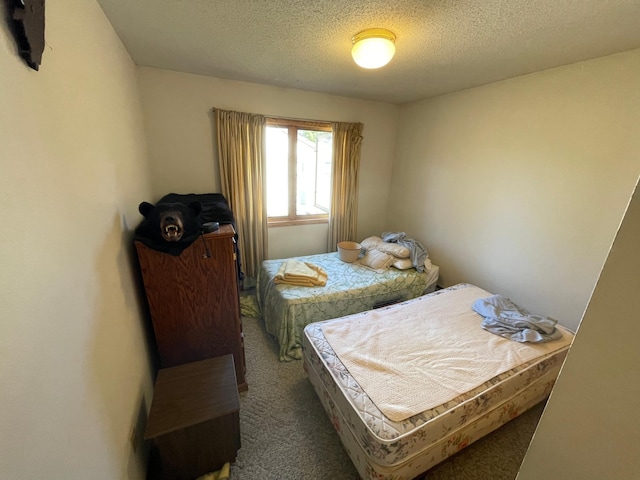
{"points": [[194, 417]]}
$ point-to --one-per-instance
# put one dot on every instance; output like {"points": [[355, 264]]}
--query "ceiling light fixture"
{"points": [[373, 48]]}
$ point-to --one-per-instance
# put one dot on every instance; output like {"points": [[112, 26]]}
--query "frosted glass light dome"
{"points": [[373, 48]]}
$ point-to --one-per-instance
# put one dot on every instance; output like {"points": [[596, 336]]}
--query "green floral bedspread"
{"points": [[351, 288]]}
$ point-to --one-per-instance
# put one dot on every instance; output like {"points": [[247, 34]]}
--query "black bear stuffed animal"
{"points": [[169, 227]]}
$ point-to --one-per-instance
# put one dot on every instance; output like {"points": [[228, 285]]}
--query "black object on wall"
{"points": [[28, 29]]}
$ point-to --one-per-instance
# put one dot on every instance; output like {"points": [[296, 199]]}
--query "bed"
{"points": [[395, 425], [350, 288]]}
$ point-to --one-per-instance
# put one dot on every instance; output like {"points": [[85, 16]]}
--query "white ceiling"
{"points": [[442, 45]]}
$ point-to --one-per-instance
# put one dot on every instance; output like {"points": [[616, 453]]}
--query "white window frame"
{"points": [[293, 126]]}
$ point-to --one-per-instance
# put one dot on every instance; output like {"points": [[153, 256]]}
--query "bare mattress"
{"points": [[424, 381]]}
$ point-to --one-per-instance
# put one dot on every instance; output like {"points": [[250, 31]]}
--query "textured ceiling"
{"points": [[442, 45]]}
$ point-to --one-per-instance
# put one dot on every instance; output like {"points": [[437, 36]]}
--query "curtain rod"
{"points": [[276, 117]]}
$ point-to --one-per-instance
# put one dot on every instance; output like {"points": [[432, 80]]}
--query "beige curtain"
{"points": [[347, 138], [242, 157]]}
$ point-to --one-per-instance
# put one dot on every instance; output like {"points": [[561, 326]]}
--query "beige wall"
{"points": [[589, 429], [180, 132], [74, 368], [519, 186]]}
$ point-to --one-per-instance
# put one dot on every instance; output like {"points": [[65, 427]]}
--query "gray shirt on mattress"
{"points": [[505, 318]]}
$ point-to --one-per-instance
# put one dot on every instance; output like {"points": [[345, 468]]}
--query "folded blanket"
{"points": [[505, 318], [303, 274]]}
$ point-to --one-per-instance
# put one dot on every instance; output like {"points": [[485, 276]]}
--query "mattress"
{"points": [[381, 448], [350, 288]]}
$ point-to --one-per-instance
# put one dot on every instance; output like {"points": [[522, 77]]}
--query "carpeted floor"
{"points": [[286, 434]]}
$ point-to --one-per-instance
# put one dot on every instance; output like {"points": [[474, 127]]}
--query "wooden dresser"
{"points": [[194, 301]]}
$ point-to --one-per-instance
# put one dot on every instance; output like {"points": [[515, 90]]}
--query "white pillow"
{"points": [[394, 249], [403, 263], [387, 247], [370, 242], [427, 264], [376, 260]]}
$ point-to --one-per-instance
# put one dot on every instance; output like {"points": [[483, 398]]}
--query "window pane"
{"points": [[323, 177], [313, 172], [277, 172]]}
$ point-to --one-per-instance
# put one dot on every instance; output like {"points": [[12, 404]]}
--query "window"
{"points": [[299, 157]]}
